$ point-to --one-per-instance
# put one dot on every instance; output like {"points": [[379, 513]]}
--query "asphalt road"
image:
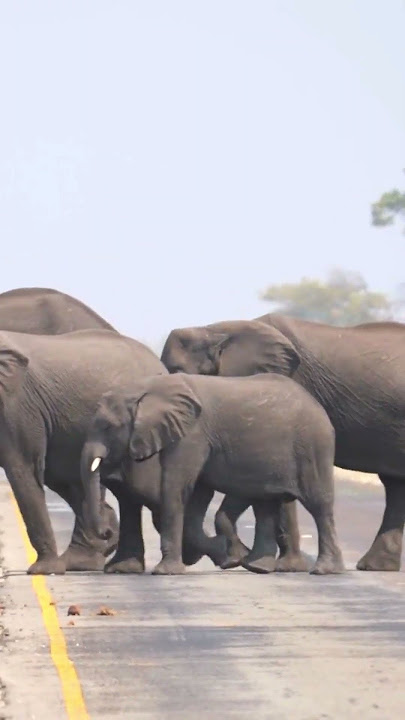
{"points": [[213, 644]]}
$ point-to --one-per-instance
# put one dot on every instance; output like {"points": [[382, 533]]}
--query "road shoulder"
{"points": [[26, 664]]}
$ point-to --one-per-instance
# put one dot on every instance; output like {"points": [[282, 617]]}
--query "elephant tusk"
{"points": [[95, 464]]}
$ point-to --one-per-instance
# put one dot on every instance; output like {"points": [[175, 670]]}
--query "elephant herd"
{"points": [[258, 410]]}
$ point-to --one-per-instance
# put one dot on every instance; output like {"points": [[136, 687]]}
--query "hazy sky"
{"points": [[165, 160]]}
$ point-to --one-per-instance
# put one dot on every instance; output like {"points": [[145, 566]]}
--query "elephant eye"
{"points": [[176, 369]]}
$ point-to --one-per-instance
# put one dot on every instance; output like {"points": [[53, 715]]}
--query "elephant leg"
{"points": [[329, 559], [290, 559], [156, 519], [172, 526], [317, 497], [385, 552], [225, 524], [196, 542], [130, 555], [28, 489], [181, 468], [262, 557], [85, 550]]}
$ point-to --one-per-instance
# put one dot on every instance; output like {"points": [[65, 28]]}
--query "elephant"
{"points": [[49, 386], [357, 375], [43, 311], [49, 390], [264, 438], [106, 449]]}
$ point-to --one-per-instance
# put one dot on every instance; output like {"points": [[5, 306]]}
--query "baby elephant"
{"points": [[263, 438]]}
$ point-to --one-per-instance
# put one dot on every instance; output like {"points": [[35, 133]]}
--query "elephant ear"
{"points": [[218, 342], [13, 366], [162, 416], [257, 348]]}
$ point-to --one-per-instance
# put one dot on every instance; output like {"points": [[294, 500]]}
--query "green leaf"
{"points": [[390, 206]]}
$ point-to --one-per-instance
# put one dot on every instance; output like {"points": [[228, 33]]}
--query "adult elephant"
{"points": [[356, 373], [49, 390], [43, 311]]}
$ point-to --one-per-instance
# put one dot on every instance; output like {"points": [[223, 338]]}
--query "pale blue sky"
{"points": [[165, 160]]}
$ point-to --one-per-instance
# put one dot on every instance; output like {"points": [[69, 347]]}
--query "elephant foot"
{"points": [[217, 550], [293, 562], [125, 566], [262, 565], [191, 555], [236, 553], [384, 554], [47, 566], [80, 559], [379, 562], [328, 565], [169, 567]]}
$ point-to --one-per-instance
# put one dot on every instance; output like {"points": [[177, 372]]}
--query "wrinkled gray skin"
{"points": [[49, 389], [108, 441], [42, 311], [355, 373], [263, 439]]}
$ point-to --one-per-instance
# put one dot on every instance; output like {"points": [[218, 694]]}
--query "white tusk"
{"points": [[95, 464]]}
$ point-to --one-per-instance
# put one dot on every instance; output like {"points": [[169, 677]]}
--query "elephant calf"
{"points": [[263, 438]]}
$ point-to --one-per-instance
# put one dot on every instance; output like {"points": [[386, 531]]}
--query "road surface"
{"points": [[210, 644]]}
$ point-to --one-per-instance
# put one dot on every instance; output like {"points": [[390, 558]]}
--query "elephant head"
{"points": [[136, 426], [106, 443], [234, 348]]}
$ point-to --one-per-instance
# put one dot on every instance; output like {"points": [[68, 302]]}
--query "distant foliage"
{"points": [[343, 299], [390, 206]]}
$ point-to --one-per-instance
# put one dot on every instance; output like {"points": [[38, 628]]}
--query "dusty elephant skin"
{"points": [[43, 311], [106, 449], [355, 373], [49, 388], [263, 438]]}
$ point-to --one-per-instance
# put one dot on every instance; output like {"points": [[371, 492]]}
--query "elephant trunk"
{"points": [[92, 456]]}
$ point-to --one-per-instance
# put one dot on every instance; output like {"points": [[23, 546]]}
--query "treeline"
{"points": [[344, 298]]}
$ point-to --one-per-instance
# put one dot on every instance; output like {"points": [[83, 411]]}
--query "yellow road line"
{"points": [[70, 683]]}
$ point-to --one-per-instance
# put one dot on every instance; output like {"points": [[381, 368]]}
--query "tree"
{"points": [[390, 205], [344, 299]]}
